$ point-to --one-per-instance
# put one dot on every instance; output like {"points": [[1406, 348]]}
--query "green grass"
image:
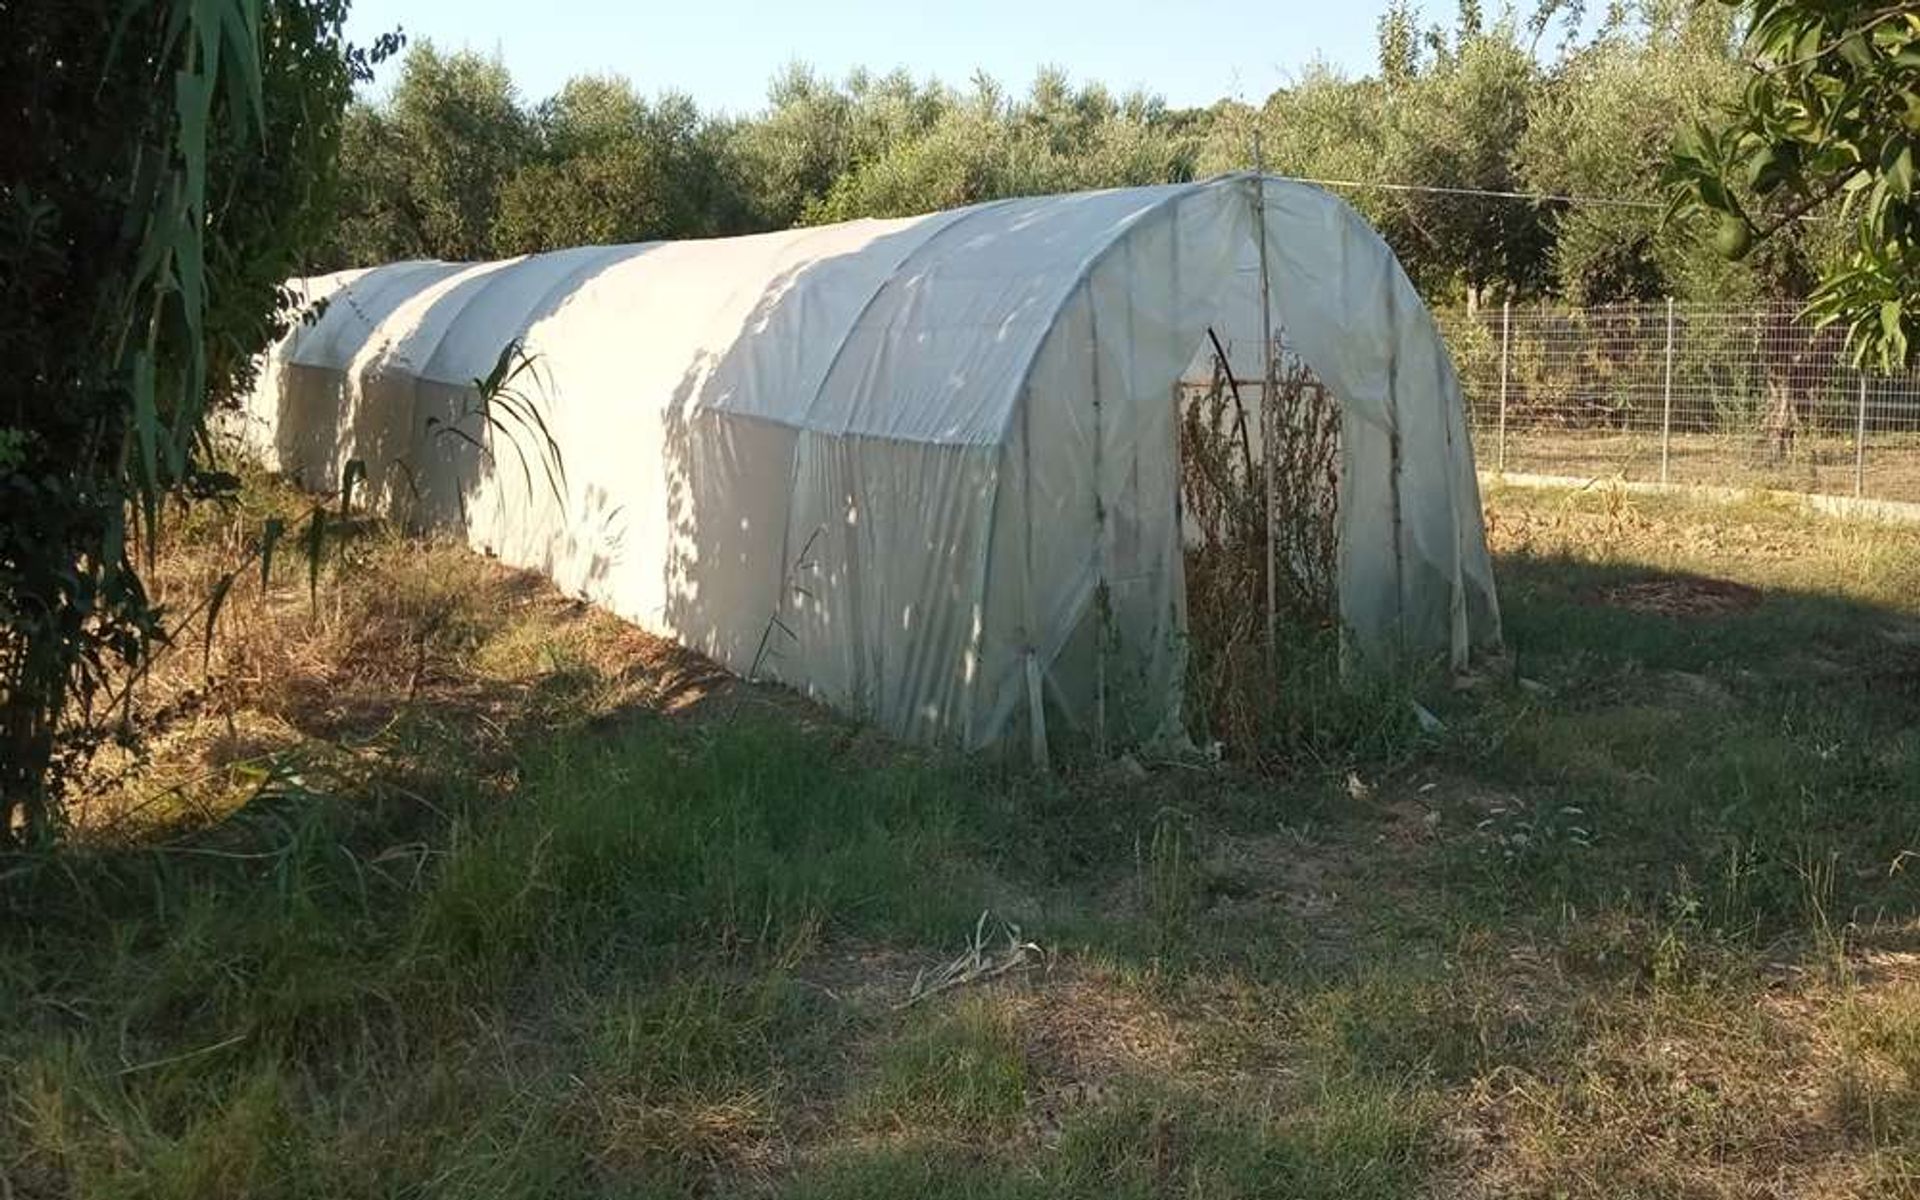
{"points": [[464, 900], [1343, 1141], [747, 841], [960, 1066]]}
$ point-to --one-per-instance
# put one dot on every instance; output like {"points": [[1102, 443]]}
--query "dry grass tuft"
{"points": [[396, 643], [1085, 1026], [732, 1134]]}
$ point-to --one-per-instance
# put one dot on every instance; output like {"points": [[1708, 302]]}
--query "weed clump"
{"points": [[1267, 679]]}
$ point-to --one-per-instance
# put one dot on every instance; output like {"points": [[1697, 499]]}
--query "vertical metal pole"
{"points": [[1102, 598], [1860, 443], [1666, 404], [1506, 339], [1269, 436]]}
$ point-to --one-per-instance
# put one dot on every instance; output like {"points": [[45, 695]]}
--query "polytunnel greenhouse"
{"points": [[925, 469]]}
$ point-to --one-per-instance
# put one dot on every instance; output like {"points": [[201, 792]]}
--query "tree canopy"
{"points": [[1442, 145], [1829, 110]]}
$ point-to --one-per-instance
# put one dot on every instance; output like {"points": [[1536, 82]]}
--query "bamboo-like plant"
{"points": [[177, 156], [505, 404]]}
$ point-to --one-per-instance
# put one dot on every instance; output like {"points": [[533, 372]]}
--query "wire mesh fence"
{"points": [[1684, 394]]}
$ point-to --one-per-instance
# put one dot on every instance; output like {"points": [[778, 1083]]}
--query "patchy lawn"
{"points": [[1813, 462], [436, 883]]}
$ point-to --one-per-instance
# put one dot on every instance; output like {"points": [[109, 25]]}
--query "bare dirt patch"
{"points": [[861, 974], [1680, 597], [1287, 871]]}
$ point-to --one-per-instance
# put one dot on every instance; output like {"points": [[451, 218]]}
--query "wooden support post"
{"points": [[1269, 435], [1037, 714]]}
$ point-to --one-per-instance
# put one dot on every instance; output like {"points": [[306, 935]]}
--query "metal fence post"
{"points": [[1506, 331], [1666, 401], [1860, 443]]}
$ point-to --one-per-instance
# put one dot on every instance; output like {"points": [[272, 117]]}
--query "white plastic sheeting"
{"points": [[893, 463]]}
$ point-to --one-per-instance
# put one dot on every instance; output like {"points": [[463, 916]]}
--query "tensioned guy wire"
{"points": [[1496, 194], [1491, 193]]}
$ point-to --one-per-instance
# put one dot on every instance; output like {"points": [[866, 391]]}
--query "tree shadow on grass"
{"points": [[1559, 606], [1716, 759]]}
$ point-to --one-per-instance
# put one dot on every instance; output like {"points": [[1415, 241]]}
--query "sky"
{"points": [[723, 52]]}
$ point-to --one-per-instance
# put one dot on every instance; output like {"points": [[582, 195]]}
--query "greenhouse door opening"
{"points": [[1260, 531]]}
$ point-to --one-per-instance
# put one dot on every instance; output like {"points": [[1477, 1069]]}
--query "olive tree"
{"points": [[423, 172], [1829, 115], [607, 166]]}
